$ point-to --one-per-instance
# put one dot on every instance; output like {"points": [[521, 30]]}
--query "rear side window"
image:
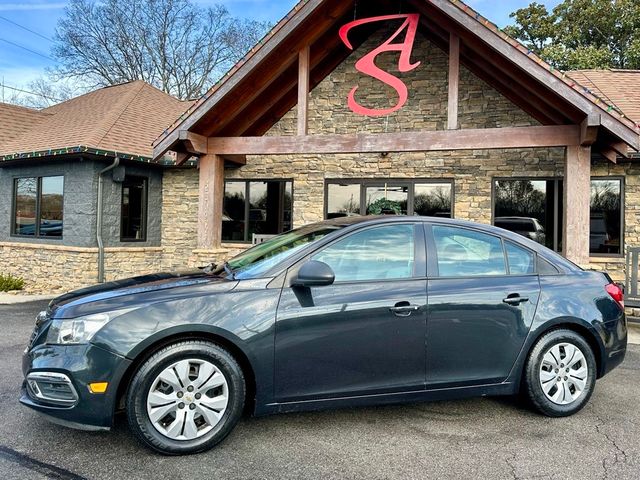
{"points": [[463, 253], [521, 260], [379, 253]]}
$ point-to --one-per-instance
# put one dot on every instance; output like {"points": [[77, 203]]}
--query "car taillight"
{"points": [[616, 293]]}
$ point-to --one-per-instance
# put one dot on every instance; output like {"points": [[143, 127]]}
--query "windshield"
{"points": [[256, 261]]}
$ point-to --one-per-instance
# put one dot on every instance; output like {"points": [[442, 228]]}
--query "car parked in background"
{"points": [[352, 311], [526, 226]]}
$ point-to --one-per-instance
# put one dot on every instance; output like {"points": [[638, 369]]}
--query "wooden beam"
{"points": [[304, 67], [210, 204], [589, 129], [608, 153], [577, 204], [454, 81], [472, 139], [483, 34], [194, 143], [620, 147]]}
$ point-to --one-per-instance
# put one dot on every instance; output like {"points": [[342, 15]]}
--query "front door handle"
{"points": [[404, 309], [515, 299]]}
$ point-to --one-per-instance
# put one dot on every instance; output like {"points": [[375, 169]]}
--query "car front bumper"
{"points": [[81, 365]]}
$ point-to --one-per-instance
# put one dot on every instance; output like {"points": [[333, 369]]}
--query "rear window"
{"points": [[463, 253]]}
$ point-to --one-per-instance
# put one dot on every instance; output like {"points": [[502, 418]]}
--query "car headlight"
{"points": [[79, 330]]}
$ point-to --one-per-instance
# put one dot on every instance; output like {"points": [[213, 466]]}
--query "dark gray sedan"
{"points": [[355, 311]]}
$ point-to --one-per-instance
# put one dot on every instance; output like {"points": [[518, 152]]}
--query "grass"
{"points": [[8, 282]]}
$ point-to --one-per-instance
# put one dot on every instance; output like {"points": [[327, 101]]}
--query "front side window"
{"points": [[379, 253], [394, 197], [256, 208], [133, 219], [467, 253], [38, 207]]}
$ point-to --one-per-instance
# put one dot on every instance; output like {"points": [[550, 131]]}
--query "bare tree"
{"points": [[173, 44]]}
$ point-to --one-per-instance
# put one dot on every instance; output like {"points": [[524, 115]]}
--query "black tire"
{"points": [[532, 384], [136, 398]]}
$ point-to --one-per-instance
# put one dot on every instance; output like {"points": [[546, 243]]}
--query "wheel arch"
{"points": [[586, 331], [178, 334]]}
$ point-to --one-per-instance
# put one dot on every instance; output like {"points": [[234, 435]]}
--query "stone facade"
{"points": [[472, 172]]}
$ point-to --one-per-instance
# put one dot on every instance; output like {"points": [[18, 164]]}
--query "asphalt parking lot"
{"points": [[479, 438]]}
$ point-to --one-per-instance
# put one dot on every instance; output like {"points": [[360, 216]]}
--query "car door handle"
{"points": [[515, 299], [404, 309]]}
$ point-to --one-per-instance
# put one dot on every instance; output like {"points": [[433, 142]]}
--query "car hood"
{"points": [[133, 292]]}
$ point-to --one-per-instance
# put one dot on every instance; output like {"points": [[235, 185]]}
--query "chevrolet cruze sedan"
{"points": [[352, 311]]}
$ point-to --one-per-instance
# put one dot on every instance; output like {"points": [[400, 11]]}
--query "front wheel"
{"points": [[560, 374], [186, 398]]}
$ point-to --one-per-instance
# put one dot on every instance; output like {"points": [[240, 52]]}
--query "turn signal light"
{"points": [[616, 293], [98, 387]]}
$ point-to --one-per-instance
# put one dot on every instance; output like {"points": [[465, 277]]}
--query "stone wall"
{"points": [[58, 269]]}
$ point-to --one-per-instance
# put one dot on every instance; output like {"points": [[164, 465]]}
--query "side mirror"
{"points": [[314, 274]]}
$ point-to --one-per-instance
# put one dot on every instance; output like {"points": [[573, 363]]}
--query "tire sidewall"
{"points": [[532, 377], [139, 388]]}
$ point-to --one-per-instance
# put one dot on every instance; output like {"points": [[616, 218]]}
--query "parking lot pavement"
{"points": [[479, 438]]}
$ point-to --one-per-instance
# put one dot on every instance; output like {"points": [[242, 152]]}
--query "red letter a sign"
{"points": [[367, 64]]}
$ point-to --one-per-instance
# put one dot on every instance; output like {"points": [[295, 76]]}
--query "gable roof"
{"points": [[123, 119], [554, 97], [618, 87]]}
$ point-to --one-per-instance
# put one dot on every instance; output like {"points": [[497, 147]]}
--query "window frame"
{"points": [[365, 183], [247, 200], [38, 219], [145, 210], [556, 208]]}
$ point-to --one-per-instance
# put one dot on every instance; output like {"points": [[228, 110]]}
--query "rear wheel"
{"points": [[186, 398], [560, 374]]}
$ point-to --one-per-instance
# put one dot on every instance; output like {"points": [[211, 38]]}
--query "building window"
{"points": [[133, 216], [393, 197], [38, 207], [534, 208], [260, 207], [606, 217]]}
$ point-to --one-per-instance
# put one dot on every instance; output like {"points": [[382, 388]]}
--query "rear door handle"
{"points": [[515, 299], [404, 309]]}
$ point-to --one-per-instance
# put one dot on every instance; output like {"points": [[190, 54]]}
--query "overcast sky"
{"points": [[24, 55]]}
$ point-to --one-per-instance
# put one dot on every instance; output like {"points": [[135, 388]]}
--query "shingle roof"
{"points": [[123, 118], [620, 87], [15, 120]]}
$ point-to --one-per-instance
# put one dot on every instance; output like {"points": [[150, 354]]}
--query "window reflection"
{"points": [[606, 216], [396, 197], [39, 206], [343, 200], [256, 208], [463, 252], [133, 211], [374, 254], [527, 207], [433, 200], [387, 199]]}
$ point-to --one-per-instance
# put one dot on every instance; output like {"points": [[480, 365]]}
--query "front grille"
{"points": [[51, 387]]}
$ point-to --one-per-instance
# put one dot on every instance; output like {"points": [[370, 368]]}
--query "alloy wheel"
{"points": [[563, 373], [187, 399]]}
